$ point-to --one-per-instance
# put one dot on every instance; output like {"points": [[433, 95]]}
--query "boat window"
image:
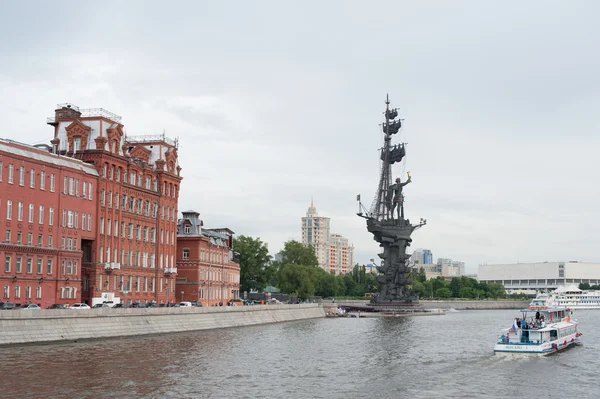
{"points": [[553, 335]]}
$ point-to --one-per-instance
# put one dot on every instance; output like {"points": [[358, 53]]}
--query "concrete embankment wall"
{"points": [[31, 326], [458, 305]]}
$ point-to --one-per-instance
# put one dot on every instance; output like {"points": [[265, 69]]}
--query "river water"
{"points": [[421, 357]]}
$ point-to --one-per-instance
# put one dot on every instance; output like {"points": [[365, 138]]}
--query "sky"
{"points": [[278, 102]]}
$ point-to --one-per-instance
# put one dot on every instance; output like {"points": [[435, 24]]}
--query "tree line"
{"points": [[296, 272]]}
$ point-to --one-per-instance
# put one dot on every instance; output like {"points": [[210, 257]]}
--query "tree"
{"points": [[443, 293], [421, 276], [254, 258], [297, 254]]}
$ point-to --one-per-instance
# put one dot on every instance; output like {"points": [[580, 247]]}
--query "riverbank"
{"points": [[45, 326], [454, 304]]}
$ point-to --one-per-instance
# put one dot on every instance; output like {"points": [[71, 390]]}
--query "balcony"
{"points": [[170, 270], [110, 266]]}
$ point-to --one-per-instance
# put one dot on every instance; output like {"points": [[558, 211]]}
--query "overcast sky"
{"points": [[275, 102]]}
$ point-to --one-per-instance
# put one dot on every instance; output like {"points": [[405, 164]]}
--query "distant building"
{"points": [[340, 255], [444, 267], [333, 251], [422, 257], [529, 278], [206, 269]]}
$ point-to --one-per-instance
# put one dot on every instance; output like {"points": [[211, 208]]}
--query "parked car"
{"points": [[152, 305], [101, 305], [197, 304], [29, 306], [139, 305], [58, 306], [78, 306], [8, 306], [185, 305], [121, 305]]}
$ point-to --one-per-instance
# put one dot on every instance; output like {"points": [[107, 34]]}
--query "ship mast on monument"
{"points": [[386, 221]]}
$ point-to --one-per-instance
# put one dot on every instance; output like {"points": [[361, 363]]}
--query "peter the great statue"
{"points": [[385, 220]]}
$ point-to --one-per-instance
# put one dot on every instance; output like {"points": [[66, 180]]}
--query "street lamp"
{"points": [[181, 296]]}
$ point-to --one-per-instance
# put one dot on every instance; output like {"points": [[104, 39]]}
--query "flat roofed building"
{"points": [[531, 277]]}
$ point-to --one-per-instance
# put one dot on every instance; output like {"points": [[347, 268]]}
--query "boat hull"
{"points": [[544, 349]]}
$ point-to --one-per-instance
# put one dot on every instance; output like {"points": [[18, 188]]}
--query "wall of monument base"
{"points": [[44, 326], [458, 305]]}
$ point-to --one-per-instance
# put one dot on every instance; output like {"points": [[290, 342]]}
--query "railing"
{"points": [[88, 112], [152, 138]]}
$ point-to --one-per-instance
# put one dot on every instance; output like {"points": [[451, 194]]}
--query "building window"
{"points": [[6, 292], [52, 182], [110, 199], [29, 265], [40, 267], [21, 176], [90, 192], [18, 267], [70, 222], [76, 225], [42, 180], [50, 243], [153, 235], [38, 292], [108, 227], [138, 232], [40, 240], [65, 185], [49, 266], [41, 218], [7, 264], [11, 173], [103, 198], [89, 222], [132, 178], [116, 231], [84, 190], [7, 240], [20, 212], [186, 254], [71, 186], [8, 210], [145, 233], [83, 222], [51, 217], [17, 292], [76, 144], [77, 188], [148, 183], [30, 239], [101, 225], [32, 178], [30, 218], [187, 229]]}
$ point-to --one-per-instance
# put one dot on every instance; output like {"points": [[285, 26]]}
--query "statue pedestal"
{"points": [[397, 307]]}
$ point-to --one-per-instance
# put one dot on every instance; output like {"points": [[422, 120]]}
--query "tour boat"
{"points": [[543, 329], [573, 297]]}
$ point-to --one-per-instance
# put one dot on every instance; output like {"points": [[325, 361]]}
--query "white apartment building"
{"points": [[333, 251]]}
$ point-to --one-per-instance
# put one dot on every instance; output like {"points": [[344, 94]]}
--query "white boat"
{"points": [[543, 329], [573, 297]]}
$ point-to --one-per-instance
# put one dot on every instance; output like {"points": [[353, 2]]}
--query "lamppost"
{"points": [[181, 296]]}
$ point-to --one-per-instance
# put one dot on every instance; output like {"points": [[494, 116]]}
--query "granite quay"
{"points": [[46, 326]]}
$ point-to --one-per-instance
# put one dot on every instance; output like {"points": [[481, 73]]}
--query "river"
{"points": [[421, 357]]}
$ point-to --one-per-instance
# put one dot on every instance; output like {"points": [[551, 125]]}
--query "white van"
{"points": [[185, 305]]}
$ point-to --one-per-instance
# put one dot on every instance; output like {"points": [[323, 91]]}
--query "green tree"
{"points": [[298, 280], [254, 258], [297, 254], [421, 276], [496, 290], [584, 286], [443, 293]]}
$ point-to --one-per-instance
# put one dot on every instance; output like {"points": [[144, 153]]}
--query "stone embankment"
{"points": [[39, 326], [455, 304]]}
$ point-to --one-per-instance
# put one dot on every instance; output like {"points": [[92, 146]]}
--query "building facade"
{"points": [[333, 251], [207, 269], [340, 256], [315, 232], [47, 208], [530, 278], [444, 267], [132, 256], [422, 257]]}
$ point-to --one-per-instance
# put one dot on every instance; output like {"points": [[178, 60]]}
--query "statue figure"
{"points": [[398, 198]]}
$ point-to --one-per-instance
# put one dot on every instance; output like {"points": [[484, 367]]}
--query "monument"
{"points": [[385, 220]]}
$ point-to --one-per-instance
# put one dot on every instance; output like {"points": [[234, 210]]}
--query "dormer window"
{"points": [[187, 229], [77, 144]]}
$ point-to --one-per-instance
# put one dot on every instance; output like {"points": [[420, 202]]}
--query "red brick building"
{"points": [[47, 216], [131, 258], [207, 271]]}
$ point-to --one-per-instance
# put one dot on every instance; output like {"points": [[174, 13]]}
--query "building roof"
{"points": [[28, 151]]}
